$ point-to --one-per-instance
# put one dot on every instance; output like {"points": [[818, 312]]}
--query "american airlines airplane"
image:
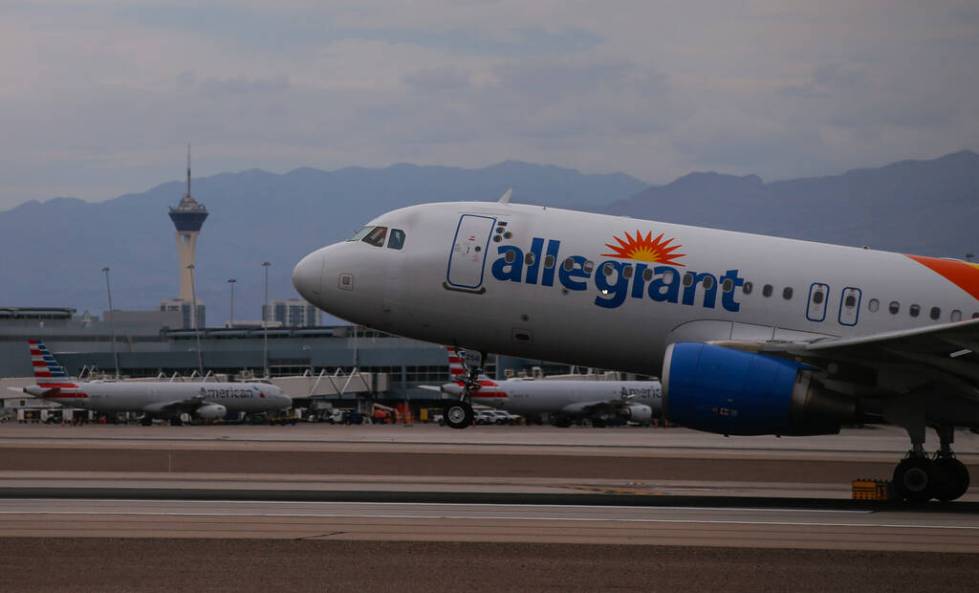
{"points": [[751, 334], [155, 399], [562, 399]]}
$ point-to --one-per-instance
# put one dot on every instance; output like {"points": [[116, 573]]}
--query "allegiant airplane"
{"points": [[751, 335]]}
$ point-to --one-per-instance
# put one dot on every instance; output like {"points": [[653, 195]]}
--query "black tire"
{"points": [[952, 479], [458, 414], [914, 479], [176, 421]]}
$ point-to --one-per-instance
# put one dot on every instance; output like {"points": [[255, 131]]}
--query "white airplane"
{"points": [[562, 399], [750, 334], [155, 399]]}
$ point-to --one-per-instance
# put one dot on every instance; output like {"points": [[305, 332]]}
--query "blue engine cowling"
{"points": [[727, 391]]}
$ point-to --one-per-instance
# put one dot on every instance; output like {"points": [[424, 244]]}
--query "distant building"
{"points": [[291, 313], [184, 308], [188, 217]]}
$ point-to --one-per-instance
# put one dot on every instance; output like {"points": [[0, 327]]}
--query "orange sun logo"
{"points": [[645, 249]]}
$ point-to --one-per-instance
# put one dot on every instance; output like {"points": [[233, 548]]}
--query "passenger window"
{"points": [[727, 285], [747, 287], [647, 275], [568, 264], [627, 271], [766, 291], [549, 261], [529, 259], [873, 305], [688, 279], [850, 301], [787, 293], [607, 269], [510, 257], [956, 315], [708, 282], [935, 313], [589, 266], [817, 297], [894, 307], [914, 310], [397, 240], [376, 236]]}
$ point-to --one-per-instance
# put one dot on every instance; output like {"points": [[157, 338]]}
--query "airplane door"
{"points": [[850, 306], [468, 256], [818, 295]]}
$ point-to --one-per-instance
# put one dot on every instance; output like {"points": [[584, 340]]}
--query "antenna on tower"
{"points": [[188, 169]]}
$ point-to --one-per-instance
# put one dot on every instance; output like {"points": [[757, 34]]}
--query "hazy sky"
{"points": [[98, 97]]}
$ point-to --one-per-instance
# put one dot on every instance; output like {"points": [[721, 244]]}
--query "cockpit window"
{"points": [[376, 236], [397, 240], [361, 233]]}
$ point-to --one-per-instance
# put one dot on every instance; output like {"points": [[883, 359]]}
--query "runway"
{"points": [[424, 508], [527, 523]]}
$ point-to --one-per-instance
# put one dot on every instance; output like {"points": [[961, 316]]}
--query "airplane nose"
{"points": [[307, 277]]}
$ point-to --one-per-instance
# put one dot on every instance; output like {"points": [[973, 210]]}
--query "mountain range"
{"points": [[52, 252]]}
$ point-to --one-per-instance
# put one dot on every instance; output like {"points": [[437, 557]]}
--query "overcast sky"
{"points": [[99, 97]]}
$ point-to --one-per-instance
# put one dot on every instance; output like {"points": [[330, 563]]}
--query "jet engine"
{"points": [[211, 411], [640, 413], [727, 391]]}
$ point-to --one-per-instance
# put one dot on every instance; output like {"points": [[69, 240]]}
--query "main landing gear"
{"points": [[459, 413], [919, 478]]}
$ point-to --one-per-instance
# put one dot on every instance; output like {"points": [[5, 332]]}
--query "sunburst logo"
{"points": [[646, 249]]}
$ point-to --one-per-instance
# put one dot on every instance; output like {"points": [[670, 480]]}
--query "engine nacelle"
{"points": [[727, 391], [640, 413], [211, 411]]}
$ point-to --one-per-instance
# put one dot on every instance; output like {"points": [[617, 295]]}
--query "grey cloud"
{"points": [[438, 79]]}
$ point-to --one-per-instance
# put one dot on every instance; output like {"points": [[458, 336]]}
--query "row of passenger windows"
{"points": [[767, 290], [376, 236]]}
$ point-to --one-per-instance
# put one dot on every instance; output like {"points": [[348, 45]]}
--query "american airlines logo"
{"points": [[226, 393], [615, 280]]}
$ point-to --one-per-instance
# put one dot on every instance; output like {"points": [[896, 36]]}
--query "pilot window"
{"points": [[376, 236], [397, 240], [361, 233]]}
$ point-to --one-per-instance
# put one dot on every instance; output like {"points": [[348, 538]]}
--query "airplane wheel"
{"points": [[176, 422], [952, 478], [458, 414], [914, 479]]}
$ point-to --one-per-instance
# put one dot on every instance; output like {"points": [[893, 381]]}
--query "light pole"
{"points": [[112, 320], [197, 331], [231, 322], [265, 321]]}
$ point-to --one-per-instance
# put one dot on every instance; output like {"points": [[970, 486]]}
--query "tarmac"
{"points": [[395, 508]]}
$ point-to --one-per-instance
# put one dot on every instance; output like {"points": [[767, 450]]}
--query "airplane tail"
{"points": [[457, 365], [46, 366]]}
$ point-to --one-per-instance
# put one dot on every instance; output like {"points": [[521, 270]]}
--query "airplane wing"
{"points": [[946, 354]]}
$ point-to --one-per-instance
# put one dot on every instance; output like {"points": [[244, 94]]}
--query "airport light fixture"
{"points": [[265, 321], [231, 318], [197, 331], [112, 320]]}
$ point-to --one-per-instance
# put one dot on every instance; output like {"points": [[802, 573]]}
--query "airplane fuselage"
{"points": [[613, 292]]}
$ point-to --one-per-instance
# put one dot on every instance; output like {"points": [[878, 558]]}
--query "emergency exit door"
{"points": [[850, 306], [469, 247]]}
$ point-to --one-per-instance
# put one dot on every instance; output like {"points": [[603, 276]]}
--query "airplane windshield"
{"points": [[376, 236], [361, 233]]}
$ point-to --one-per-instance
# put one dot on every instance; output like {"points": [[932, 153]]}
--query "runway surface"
{"points": [[260, 566], [425, 508]]}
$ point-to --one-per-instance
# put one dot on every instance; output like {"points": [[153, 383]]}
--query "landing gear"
{"points": [[176, 421], [458, 414], [919, 478]]}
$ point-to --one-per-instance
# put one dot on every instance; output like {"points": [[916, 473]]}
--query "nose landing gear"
{"points": [[459, 414]]}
